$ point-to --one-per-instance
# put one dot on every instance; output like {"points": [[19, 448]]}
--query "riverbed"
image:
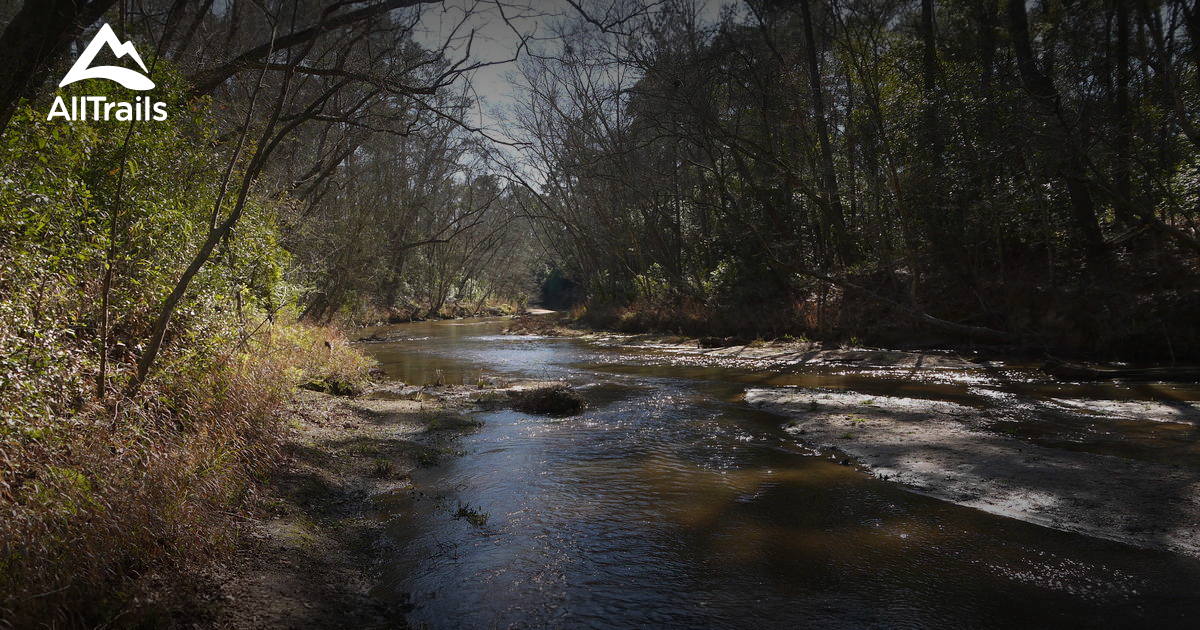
{"points": [[671, 501]]}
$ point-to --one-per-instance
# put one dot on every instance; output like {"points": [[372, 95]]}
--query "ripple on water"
{"points": [[667, 503]]}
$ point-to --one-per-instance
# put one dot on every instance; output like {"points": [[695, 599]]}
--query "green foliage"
{"points": [[652, 285], [84, 197], [97, 488]]}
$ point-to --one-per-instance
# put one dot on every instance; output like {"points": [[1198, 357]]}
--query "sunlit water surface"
{"points": [[669, 503]]}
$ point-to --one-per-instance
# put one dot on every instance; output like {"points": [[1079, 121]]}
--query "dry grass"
{"points": [[93, 499]]}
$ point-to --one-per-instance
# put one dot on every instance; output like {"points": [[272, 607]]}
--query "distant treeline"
{"points": [[966, 170]]}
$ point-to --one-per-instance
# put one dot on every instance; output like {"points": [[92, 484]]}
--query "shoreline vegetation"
{"points": [[95, 511], [147, 349], [287, 470], [163, 293]]}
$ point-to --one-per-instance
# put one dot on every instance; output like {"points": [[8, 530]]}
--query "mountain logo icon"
{"points": [[129, 78]]}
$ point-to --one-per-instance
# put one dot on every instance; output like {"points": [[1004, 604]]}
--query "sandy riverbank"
{"points": [[954, 452], [308, 556], [764, 354], [936, 448]]}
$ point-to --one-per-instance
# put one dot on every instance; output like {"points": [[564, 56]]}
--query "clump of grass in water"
{"points": [[553, 400], [383, 468], [427, 457], [472, 515], [484, 381]]}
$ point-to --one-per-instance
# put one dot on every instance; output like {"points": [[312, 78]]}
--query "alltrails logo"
{"points": [[99, 107]]}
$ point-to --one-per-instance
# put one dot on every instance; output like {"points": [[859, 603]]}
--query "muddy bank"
{"points": [[945, 450], [783, 353], [308, 556], [777, 353], [420, 314], [305, 558]]}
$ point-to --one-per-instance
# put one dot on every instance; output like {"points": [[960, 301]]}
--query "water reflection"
{"points": [[669, 503]]}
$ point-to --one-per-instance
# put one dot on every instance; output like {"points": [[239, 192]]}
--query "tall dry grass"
{"points": [[94, 500]]}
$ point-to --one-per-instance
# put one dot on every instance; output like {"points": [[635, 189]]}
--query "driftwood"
{"points": [[719, 342], [1081, 372]]}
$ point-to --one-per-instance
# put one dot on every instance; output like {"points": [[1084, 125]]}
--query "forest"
{"points": [[886, 170], [1020, 178]]}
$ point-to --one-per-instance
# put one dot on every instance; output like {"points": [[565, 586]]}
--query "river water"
{"points": [[669, 503]]}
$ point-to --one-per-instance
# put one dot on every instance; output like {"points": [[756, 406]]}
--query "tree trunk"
{"points": [[929, 75], [1191, 21], [944, 220], [1124, 123], [835, 222], [1073, 171], [987, 44], [39, 34]]}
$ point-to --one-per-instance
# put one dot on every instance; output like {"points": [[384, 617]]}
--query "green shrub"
{"points": [[98, 489]]}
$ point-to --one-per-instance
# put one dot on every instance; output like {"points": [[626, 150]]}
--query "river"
{"points": [[669, 502]]}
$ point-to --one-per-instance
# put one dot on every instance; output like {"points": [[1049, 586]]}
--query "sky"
{"points": [[498, 29], [495, 40]]}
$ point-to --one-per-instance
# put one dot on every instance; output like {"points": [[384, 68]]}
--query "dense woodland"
{"points": [[1004, 174]]}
